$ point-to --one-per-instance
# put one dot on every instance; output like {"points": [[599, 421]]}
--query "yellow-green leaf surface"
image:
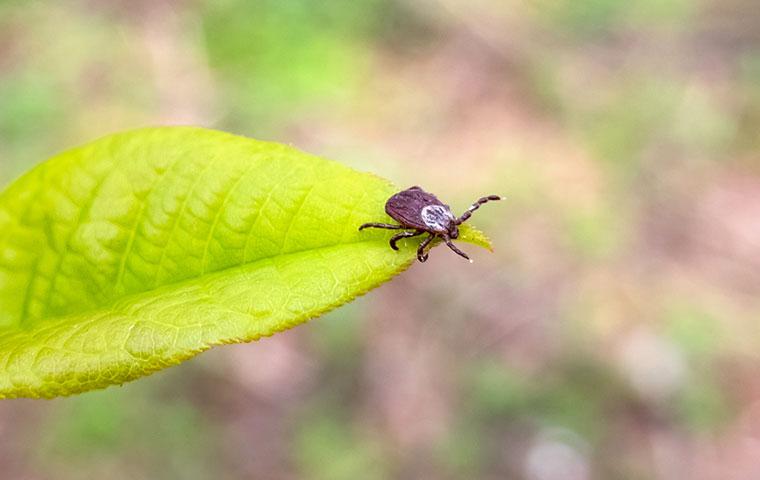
{"points": [[139, 250]]}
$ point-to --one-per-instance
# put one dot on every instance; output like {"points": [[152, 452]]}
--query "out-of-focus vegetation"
{"points": [[614, 332]]}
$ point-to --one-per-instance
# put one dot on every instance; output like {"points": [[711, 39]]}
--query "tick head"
{"points": [[453, 231]]}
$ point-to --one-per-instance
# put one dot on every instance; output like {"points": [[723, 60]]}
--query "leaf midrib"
{"points": [[126, 298]]}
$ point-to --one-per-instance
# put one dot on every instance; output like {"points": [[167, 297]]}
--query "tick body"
{"points": [[419, 212]]}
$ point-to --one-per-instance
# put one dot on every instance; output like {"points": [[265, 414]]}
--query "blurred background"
{"points": [[613, 334]]}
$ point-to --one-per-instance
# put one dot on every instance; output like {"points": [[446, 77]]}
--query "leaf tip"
{"points": [[474, 236]]}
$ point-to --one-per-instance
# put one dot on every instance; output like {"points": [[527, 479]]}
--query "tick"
{"points": [[418, 212]]}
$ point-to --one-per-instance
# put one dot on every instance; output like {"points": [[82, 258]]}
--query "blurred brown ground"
{"points": [[614, 332]]}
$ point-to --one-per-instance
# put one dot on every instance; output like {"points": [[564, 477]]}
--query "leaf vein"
{"points": [[294, 217], [219, 212], [177, 218], [84, 209], [135, 227], [259, 216]]}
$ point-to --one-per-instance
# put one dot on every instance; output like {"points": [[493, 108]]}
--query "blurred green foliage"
{"points": [[95, 432], [280, 59], [326, 448], [625, 135], [591, 18]]}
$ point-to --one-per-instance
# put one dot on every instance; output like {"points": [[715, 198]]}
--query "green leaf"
{"points": [[142, 249]]}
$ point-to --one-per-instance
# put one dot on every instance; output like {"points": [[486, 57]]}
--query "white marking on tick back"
{"points": [[436, 217]]}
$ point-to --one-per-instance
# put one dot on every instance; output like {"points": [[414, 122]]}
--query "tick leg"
{"points": [[421, 255], [455, 249], [476, 206], [401, 235], [381, 225]]}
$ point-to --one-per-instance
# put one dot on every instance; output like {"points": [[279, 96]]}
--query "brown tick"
{"points": [[421, 212]]}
